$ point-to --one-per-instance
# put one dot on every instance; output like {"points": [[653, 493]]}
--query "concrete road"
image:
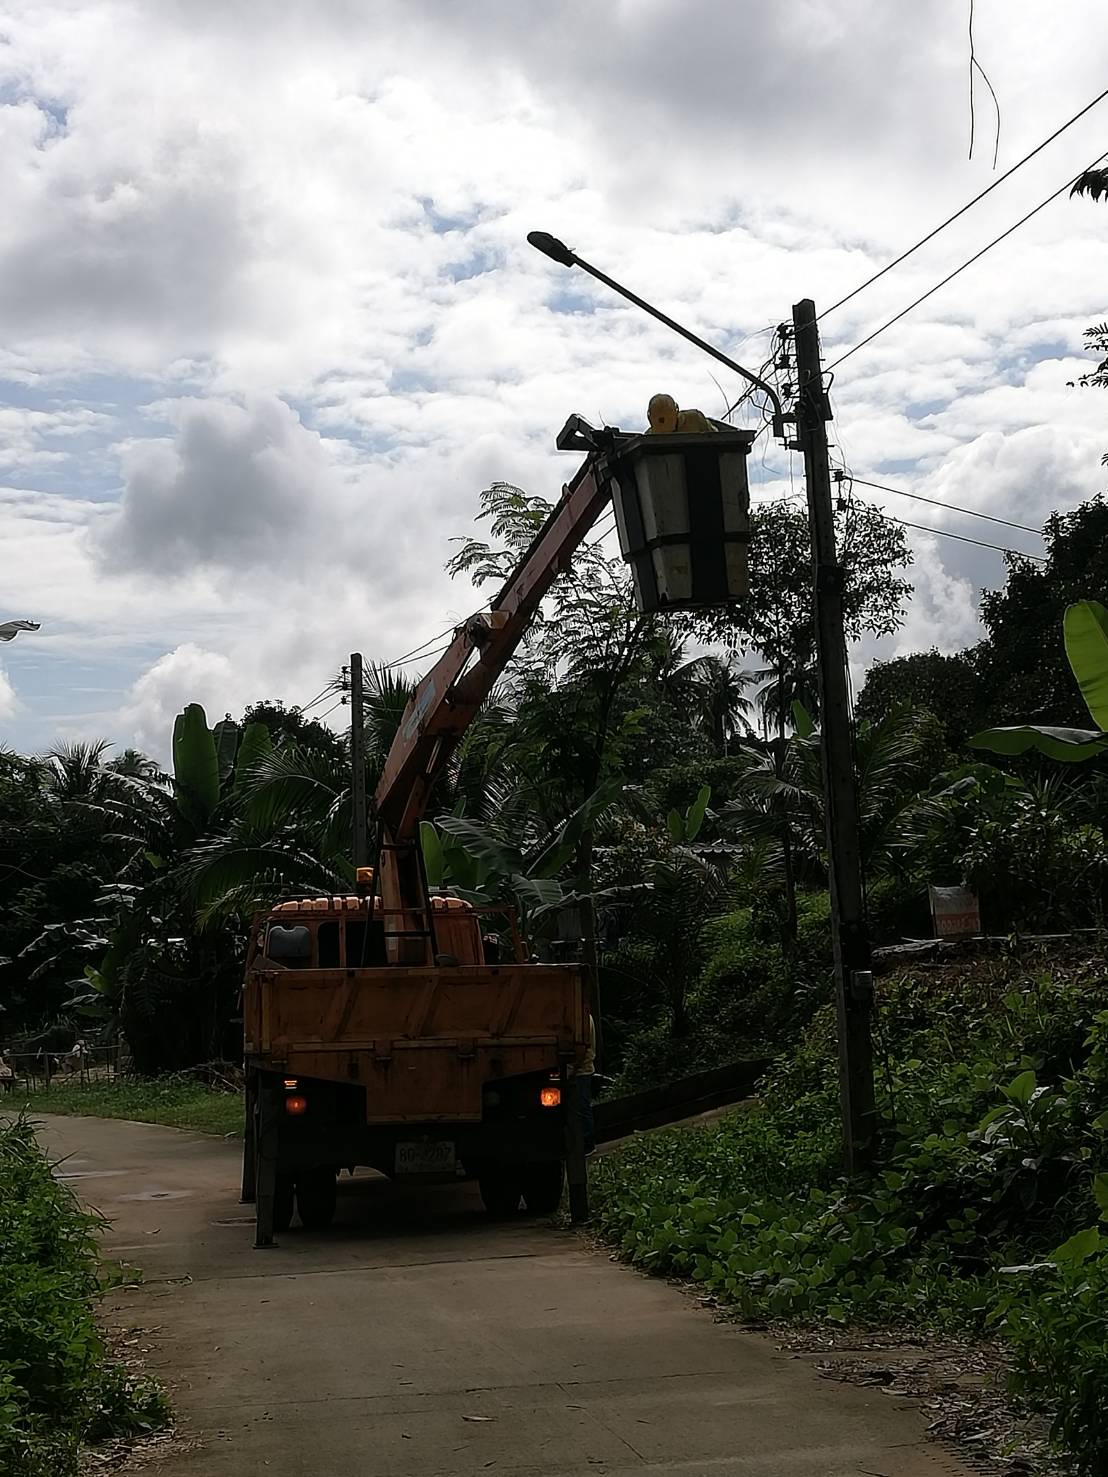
{"points": [[417, 1339]]}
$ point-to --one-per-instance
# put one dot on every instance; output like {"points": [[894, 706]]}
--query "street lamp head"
{"points": [[9, 630], [550, 246]]}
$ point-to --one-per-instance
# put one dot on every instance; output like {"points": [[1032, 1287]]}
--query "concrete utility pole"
{"points": [[849, 931], [357, 760]]}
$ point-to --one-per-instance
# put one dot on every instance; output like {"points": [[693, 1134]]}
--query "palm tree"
{"points": [[717, 686], [136, 765], [167, 974], [387, 693], [779, 811], [76, 771]]}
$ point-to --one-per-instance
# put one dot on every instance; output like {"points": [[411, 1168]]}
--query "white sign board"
{"points": [[955, 911]]}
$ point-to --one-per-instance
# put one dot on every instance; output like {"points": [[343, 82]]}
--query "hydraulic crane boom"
{"points": [[446, 701]]}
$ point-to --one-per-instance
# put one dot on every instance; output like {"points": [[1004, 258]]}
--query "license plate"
{"points": [[437, 1157]]}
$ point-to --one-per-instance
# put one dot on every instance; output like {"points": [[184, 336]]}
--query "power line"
{"points": [[961, 537], [416, 650], [328, 711], [324, 692], [419, 657], [950, 507], [904, 255], [975, 258]]}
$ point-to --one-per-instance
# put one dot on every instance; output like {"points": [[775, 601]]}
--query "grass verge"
{"points": [[178, 1102], [983, 1215], [59, 1387]]}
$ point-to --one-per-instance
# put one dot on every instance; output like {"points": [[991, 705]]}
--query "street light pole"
{"points": [[850, 935], [559, 252]]}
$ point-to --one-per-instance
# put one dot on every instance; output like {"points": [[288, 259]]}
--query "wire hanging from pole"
{"points": [[975, 65], [1008, 173], [968, 263]]}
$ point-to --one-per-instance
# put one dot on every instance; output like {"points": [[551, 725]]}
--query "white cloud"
{"points": [[238, 487], [9, 702], [271, 321], [188, 674]]}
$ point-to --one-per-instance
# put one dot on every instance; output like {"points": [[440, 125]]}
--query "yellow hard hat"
{"points": [[662, 414]]}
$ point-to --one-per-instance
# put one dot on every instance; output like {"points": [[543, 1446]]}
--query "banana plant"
{"points": [[1085, 630], [686, 828]]}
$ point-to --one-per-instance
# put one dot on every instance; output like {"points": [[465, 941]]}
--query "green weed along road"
{"points": [[173, 1101]]}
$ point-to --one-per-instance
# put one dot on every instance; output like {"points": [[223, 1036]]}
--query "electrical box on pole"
{"points": [[849, 930]]}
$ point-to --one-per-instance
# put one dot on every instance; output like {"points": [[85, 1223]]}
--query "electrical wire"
{"points": [[601, 532], [327, 713], [324, 692], [968, 263], [975, 65], [416, 650], [420, 657], [950, 507], [961, 537], [904, 255]]}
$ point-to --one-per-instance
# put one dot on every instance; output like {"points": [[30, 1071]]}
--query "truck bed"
{"points": [[423, 1042]]}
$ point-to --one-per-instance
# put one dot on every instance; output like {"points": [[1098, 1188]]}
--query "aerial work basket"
{"points": [[682, 506]]}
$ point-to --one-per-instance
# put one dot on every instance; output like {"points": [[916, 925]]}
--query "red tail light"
{"points": [[296, 1104]]}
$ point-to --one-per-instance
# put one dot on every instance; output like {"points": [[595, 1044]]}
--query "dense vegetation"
{"points": [[628, 784], [59, 1386]]}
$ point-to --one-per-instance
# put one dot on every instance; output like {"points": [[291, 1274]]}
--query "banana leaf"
{"points": [[195, 766], [432, 853], [1070, 745], [1086, 636], [226, 735], [255, 745]]}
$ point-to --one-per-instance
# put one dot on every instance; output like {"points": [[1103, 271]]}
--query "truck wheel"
{"points": [[316, 1192], [542, 1188], [501, 1191], [282, 1203]]}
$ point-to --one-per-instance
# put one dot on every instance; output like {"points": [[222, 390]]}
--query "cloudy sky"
{"points": [[268, 321]]}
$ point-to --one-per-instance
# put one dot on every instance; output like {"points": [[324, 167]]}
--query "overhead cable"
{"points": [[968, 263], [304, 707], [961, 537], [950, 507], [904, 255]]}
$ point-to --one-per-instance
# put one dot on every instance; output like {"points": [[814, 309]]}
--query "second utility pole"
{"points": [[849, 930], [357, 761]]}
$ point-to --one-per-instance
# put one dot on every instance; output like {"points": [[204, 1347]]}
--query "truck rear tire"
{"points": [[316, 1193], [542, 1188], [501, 1192]]}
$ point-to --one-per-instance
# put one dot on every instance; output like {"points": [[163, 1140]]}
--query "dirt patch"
{"points": [[133, 1346], [961, 1387]]}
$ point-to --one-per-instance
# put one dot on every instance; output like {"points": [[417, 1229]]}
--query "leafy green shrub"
{"points": [[742, 988], [1036, 868], [1057, 1326], [58, 1387], [995, 1112]]}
